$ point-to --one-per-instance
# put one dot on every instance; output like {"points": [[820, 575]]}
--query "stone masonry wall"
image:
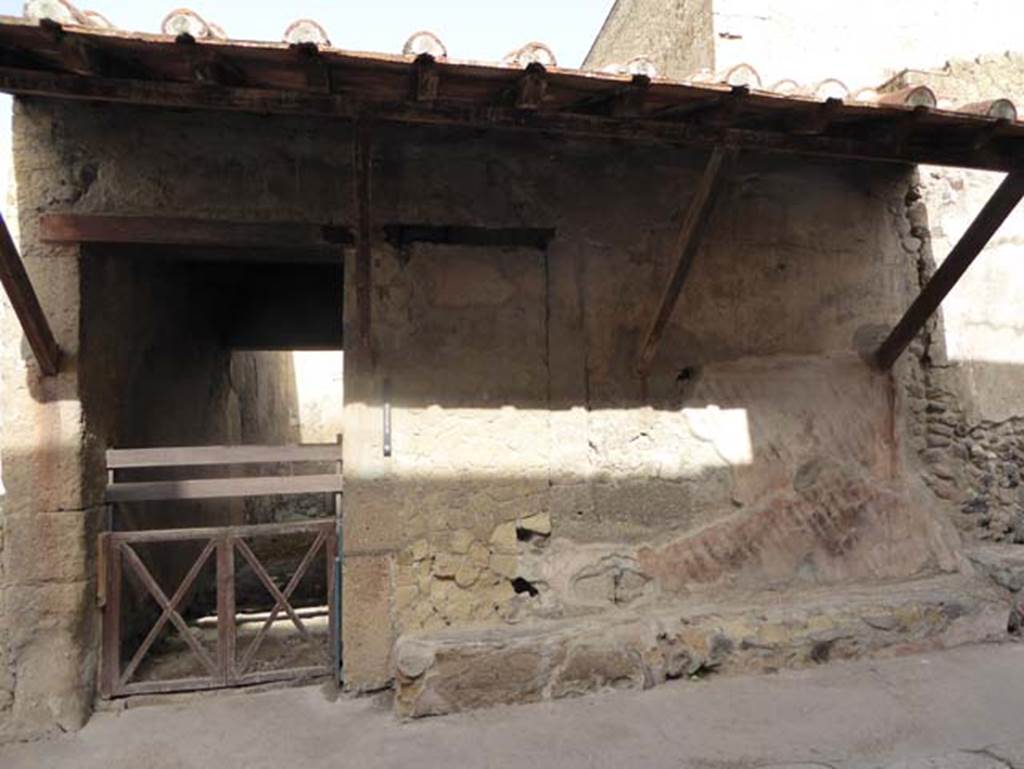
{"points": [[966, 394], [676, 35]]}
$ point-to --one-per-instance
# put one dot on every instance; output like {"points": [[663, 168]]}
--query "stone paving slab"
{"points": [[960, 709]]}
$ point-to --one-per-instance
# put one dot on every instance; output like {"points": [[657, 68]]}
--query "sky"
{"points": [[471, 29], [482, 30]]}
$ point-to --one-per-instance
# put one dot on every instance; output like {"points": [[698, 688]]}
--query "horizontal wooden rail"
{"points": [[213, 532], [198, 456], [219, 488]]}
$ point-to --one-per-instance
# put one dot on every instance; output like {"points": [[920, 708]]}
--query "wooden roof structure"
{"points": [[93, 63], [47, 59]]}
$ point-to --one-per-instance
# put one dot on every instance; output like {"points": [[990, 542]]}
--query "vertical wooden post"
{"points": [[110, 674], [226, 628], [361, 161], [335, 555]]}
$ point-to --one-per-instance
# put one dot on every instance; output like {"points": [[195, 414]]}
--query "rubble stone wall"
{"points": [[967, 386]]}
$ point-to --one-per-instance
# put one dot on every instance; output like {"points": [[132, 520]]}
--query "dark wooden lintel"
{"points": [[401, 235], [168, 231], [999, 206], [691, 236], [26, 304]]}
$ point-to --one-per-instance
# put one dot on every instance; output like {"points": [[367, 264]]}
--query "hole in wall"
{"points": [[686, 375], [529, 535], [521, 585]]}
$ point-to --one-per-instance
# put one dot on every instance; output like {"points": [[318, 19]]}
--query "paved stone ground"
{"points": [[962, 708]]}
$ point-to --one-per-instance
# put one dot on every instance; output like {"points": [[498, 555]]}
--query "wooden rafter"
{"points": [[691, 235], [999, 206], [26, 304]]}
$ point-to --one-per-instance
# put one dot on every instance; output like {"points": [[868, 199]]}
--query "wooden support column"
{"points": [[1001, 204], [691, 235], [361, 164], [26, 305]]}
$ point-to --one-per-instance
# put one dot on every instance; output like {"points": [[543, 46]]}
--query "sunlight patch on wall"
{"points": [[319, 383]]}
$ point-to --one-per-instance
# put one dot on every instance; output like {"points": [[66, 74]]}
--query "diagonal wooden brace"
{"points": [[691, 235], [999, 206], [161, 598], [282, 601], [26, 304], [172, 607]]}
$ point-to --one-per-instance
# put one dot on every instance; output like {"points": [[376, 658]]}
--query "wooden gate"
{"points": [[223, 547]]}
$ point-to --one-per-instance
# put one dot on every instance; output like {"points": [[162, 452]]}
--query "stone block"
{"points": [[503, 540], [366, 625], [44, 547], [459, 670], [536, 524], [1003, 564]]}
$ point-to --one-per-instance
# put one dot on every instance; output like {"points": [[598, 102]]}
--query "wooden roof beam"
{"points": [[532, 87], [318, 73], [629, 102], [717, 111], [26, 304], [821, 120], [174, 95], [210, 67], [625, 101], [81, 56], [999, 206], [428, 78], [688, 243]]}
